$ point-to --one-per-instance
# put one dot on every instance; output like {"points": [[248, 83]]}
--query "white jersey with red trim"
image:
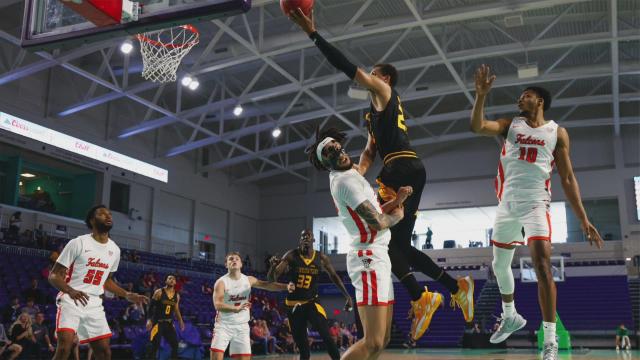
{"points": [[89, 263], [236, 293], [526, 162], [349, 189]]}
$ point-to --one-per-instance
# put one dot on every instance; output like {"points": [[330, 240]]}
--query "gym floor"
{"points": [[488, 354]]}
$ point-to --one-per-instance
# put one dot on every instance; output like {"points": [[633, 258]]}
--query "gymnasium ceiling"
{"points": [[587, 53]]}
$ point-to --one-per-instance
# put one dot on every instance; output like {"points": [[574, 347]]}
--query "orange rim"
{"points": [[172, 46]]}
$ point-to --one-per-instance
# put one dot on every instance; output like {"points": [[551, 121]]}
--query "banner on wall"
{"points": [[43, 134]]}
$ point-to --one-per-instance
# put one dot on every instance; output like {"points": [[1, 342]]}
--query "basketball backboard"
{"points": [[50, 24]]}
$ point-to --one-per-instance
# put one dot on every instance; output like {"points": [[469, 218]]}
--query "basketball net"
{"points": [[162, 51]]}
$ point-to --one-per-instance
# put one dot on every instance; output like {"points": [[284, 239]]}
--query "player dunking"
{"points": [[82, 273], [304, 265], [368, 223], [164, 303], [523, 186], [402, 167], [231, 295]]}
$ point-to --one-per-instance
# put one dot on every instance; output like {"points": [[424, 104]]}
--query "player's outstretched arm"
{"points": [[328, 267], [571, 188], [269, 285], [278, 266], [479, 124], [153, 304], [57, 280], [111, 286], [178, 313], [337, 59], [377, 220]]}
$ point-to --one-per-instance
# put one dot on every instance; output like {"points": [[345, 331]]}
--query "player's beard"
{"points": [[103, 228]]}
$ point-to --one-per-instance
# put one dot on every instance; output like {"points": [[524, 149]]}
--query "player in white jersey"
{"points": [[532, 147], [368, 225], [231, 295], [82, 273]]}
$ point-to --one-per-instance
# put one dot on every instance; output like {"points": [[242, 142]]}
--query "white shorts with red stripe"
{"points": [[512, 216], [89, 322], [236, 336], [370, 273]]}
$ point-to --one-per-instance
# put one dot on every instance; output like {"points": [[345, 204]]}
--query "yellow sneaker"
{"points": [[423, 310], [464, 297]]}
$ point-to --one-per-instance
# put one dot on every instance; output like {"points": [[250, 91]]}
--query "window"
{"points": [[119, 199]]}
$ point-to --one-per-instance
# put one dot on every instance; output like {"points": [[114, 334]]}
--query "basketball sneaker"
{"points": [[550, 351], [423, 310], [464, 297], [507, 327]]}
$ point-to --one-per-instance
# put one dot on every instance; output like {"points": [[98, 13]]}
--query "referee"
{"points": [[304, 265]]}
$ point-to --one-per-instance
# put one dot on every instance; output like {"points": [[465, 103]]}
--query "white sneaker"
{"points": [[550, 351], [618, 348], [507, 327], [628, 347]]}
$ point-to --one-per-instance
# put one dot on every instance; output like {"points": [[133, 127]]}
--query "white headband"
{"points": [[321, 146]]}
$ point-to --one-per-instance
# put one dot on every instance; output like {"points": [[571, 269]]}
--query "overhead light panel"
{"points": [[27, 175], [126, 46], [526, 71], [358, 93], [237, 111]]}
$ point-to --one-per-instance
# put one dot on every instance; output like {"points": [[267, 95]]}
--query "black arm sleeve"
{"points": [[334, 56], [151, 314]]}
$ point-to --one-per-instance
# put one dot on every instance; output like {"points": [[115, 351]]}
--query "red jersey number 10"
{"points": [[93, 277], [528, 154]]}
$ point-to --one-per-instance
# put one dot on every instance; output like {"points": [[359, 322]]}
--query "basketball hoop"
{"points": [[163, 50]]}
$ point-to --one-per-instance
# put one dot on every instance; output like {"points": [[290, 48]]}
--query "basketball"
{"points": [[304, 5]]}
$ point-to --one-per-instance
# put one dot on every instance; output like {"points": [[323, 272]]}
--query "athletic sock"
{"points": [[411, 284], [509, 309], [549, 332], [449, 282]]}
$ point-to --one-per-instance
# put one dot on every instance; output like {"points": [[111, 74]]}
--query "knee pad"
{"points": [[502, 259]]}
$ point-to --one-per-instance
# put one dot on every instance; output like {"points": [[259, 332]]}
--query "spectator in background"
{"points": [[21, 333], [27, 238], [286, 339], [11, 311], [346, 334], [15, 223], [41, 237], [476, 329], [134, 314], [33, 292], [271, 340], [336, 334], [6, 345], [622, 338], [31, 309], [149, 281], [41, 334], [134, 257], [206, 289], [181, 280], [247, 262], [261, 335]]}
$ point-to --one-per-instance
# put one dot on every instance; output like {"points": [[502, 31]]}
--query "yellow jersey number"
{"points": [[304, 281], [167, 310], [401, 123]]}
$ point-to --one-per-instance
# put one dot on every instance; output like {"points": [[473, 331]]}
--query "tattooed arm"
{"points": [[376, 220]]}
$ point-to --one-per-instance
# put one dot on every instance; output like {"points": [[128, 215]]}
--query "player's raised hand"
{"points": [[484, 79], [306, 23], [78, 296], [593, 236], [291, 287], [149, 325], [274, 261], [137, 298]]}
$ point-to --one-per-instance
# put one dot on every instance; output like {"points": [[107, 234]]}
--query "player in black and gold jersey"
{"points": [[304, 265], [387, 136], [164, 303]]}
